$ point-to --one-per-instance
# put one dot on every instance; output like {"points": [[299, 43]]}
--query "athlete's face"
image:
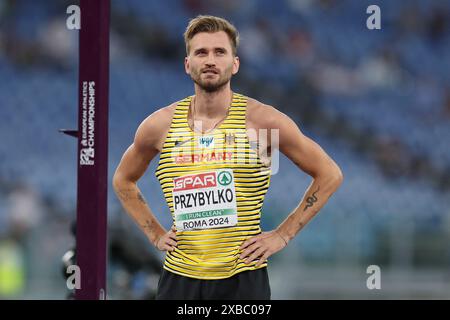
{"points": [[210, 62]]}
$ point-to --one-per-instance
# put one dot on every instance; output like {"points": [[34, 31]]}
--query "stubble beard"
{"points": [[212, 86]]}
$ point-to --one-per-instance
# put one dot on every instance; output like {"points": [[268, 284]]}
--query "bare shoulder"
{"points": [[153, 130], [263, 116]]}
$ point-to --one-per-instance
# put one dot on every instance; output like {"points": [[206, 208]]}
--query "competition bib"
{"points": [[205, 200]]}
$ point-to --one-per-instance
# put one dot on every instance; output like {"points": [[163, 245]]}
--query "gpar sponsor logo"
{"points": [[202, 180]]}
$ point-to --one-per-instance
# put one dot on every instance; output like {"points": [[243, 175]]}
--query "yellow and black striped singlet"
{"points": [[214, 253]]}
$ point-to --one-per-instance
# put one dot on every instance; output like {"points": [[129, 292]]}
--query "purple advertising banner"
{"points": [[93, 148]]}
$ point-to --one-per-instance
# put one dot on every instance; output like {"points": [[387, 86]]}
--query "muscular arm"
{"points": [[146, 145], [310, 158]]}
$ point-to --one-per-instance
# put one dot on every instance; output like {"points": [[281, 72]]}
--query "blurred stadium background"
{"points": [[377, 101]]}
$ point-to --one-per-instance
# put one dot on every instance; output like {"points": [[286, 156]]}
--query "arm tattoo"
{"points": [[127, 194], [311, 200], [141, 198], [124, 194], [148, 225]]}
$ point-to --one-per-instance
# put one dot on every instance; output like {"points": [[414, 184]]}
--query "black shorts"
{"points": [[246, 285]]}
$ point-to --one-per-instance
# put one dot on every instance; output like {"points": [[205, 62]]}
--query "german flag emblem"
{"points": [[230, 138]]}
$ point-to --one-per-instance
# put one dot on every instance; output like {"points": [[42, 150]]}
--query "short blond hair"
{"points": [[204, 23]]}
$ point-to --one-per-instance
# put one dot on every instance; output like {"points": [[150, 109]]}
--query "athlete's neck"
{"points": [[212, 105]]}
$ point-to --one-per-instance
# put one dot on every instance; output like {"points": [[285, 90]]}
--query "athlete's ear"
{"points": [[186, 65], [236, 64]]}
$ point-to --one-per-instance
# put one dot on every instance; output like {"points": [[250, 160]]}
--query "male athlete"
{"points": [[214, 170]]}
